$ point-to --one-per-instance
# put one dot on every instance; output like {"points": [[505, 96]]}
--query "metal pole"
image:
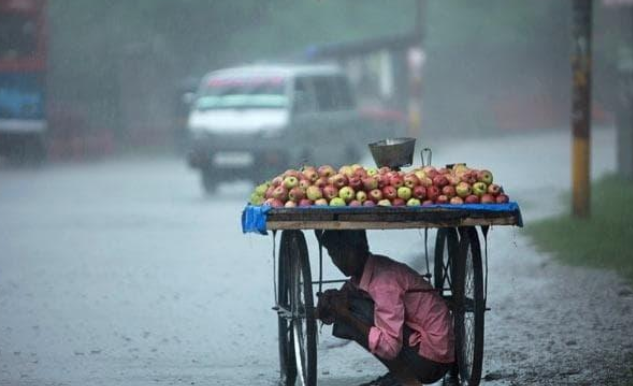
{"points": [[581, 107]]}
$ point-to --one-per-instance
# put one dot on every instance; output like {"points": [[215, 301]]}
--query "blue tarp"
{"points": [[254, 217]]}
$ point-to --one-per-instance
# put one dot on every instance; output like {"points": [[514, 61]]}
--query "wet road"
{"points": [[121, 273]]}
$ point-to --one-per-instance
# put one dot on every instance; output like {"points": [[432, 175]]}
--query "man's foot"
{"points": [[386, 380]]}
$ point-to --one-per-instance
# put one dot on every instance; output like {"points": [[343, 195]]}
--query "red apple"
{"points": [[441, 199], [290, 204], [355, 183], [502, 199], [277, 181], [330, 191], [470, 176], [444, 171], [449, 191], [389, 192], [384, 170], [326, 171], [360, 172], [296, 194], [411, 181], [375, 195], [280, 193], [472, 199], [346, 170], [305, 203], [398, 202], [396, 181], [427, 202], [488, 199], [339, 180], [304, 183], [355, 203], [310, 173], [419, 192], [430, 171], [269, 192], [276, 203], [453, 179], [432, 192], [321, 182], [440, 180], [494, 189], [292, 173], [369, 203], [383, 180], [426, 182]]}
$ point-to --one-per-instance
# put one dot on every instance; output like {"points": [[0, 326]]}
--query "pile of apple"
{"points": [[354, 185]]}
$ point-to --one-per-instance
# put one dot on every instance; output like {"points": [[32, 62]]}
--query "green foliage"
{"points": [[602, 241]]}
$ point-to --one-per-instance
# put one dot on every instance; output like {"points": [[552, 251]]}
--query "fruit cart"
{"points": [[459, 274]]}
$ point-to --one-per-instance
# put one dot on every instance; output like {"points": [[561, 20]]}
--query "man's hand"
{"points": [[339, 303], [323, 310]]}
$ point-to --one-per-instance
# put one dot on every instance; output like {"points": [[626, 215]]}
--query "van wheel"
{"points": [[209, 183]]}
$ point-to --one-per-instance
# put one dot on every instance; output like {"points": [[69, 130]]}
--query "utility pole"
{"points": [[581, 107], [415, 61]]}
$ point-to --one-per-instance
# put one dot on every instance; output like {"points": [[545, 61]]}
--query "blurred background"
{"points": [[116, 268]]}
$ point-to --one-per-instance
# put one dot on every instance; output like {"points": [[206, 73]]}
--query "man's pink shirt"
{"points": [[392, 287]]}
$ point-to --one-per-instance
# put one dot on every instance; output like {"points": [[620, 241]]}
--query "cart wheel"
{"points": [[469, 307], [446, 249], [297, 342]]}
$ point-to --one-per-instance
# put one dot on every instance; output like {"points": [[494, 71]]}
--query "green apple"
{"points": [[413, 202], [480, 188], [337, 201], [404, 192]]}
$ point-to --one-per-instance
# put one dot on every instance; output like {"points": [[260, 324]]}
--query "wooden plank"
{"points": [[281, 225]]}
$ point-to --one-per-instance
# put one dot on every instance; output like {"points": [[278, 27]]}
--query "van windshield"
{"points": [[252, 92]]}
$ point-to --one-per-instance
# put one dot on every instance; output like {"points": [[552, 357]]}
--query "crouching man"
{"points": [[390, 310]]}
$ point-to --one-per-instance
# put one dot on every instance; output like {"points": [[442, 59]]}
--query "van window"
{"points": [[251, 92], [332, 93], [304, 96]]}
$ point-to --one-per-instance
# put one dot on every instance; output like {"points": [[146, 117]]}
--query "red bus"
{"points": [[23, 124]]}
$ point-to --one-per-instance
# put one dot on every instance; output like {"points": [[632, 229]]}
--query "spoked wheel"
{"points": [[469, 308], [446, 249], [297, 325]]}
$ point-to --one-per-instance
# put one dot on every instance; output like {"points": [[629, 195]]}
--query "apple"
{"points": [[290, 204], [326, 171], [346, 170], [398, 202], [460, 168], [311, 173], [444, 171], [488, 199], [296, 194], [256, 199], [369, 203], [360, 172], [384, 202], [404, 192], [337, 201], [292, 173], [280, 193], [430, 171], [276, 203], [480, 188], [314, 193], [502, 199], [419, 173], [355, 183], [269, 192], [347, 193], [472, 199], [494, 189], [413, 202], [419, 192], [375, 195], [469, 176], [442, 199], [321, 202], [453, 179], [389, 192], [304, 183], [432, 192], [384, 170], [339, 180], [321, 182], [411, 181], [426, 182], [485, 176], [396, 181], [330, 191], [355, 203], [305, 203], [449, 191], [457, 200], [261, 188], [427, 202], [372, 171], [277, 181], [383, 180], [463, 189], [440, 180], [361, 196], [370, 183]]}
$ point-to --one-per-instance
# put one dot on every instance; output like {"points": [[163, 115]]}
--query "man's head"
{"points": [[348, 249]]}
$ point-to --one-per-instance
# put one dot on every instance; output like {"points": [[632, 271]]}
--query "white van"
{"points": [[255, 122]]}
